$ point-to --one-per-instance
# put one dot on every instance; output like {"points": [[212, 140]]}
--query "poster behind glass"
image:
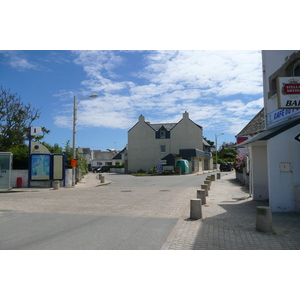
{"points": [[40, 167], [58, 164]]}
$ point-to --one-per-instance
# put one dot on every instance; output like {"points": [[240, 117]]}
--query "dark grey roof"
{"points": [[119, 155], [206, 143], [193, 153], [86, 150], [168, 126], [105, 155], [270, 133], [255, 126]]}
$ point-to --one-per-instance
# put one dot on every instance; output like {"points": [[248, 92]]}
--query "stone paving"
{"points": [[228, 223], [90, 197]]}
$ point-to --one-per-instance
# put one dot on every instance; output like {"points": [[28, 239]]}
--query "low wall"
{"points": [[117, 170], [24, 175], [243, 178]]}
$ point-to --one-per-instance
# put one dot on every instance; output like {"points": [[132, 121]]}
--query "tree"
{"points": [[15, 119], [53, 149], [210, 142]]}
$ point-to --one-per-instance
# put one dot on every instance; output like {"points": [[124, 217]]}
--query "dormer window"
{"points": [[163, 133]]}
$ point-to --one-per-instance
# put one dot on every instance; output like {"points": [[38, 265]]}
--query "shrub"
{"points": [[240, 163]]}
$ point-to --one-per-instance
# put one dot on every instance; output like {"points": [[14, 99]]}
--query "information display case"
{"points": [[5, 170]]}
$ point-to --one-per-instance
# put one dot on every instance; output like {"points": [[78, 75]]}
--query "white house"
{"points": [[275, 152], [103, 158], [152, 144]]}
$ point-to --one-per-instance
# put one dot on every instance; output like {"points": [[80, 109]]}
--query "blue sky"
{"points": [[221, 90]]}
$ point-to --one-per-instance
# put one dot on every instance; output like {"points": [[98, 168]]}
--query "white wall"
{"points": [[186, 135], [283, 148], [141, 146], [24, 175], [19, 173], [259, 172]]}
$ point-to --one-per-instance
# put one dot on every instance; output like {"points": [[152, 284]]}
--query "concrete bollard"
{"points": [[101, 178], [56, 184], [218, 175], [207, 182], [201, 194], [205, 187], [209, 179], [195, 209], [264, 219], [213, 177]]}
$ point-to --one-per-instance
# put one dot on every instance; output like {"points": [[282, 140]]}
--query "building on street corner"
{"points": [[275, 152]]}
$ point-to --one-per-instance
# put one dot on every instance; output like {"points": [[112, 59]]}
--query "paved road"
{"points": [[130, 213]]}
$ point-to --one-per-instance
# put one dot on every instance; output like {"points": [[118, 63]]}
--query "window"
{"points": [[296, 69], [163, 148], [162, 133], [274, 86]]}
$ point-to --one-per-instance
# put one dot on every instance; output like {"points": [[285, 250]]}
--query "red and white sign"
{"points": [[288, 92]]}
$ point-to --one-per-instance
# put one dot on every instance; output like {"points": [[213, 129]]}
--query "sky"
{"points": [[220, 89], [219, 84]]}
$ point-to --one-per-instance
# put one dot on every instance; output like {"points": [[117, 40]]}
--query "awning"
{"points": [[189, 153]]}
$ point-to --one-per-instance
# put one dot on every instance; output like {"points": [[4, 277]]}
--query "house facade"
{"points": [[150, 145], [274, 152], [103, 158]]}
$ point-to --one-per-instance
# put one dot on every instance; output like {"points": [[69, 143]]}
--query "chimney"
{"points": [[185, 115], [141, 118]]}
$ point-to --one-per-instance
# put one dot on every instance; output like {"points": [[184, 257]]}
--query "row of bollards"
{"points": [[196, 203], [263, 213]]}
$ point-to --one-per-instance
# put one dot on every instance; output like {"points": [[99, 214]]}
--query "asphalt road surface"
{"points": [[131, 213]]}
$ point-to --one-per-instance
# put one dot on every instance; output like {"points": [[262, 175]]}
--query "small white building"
{"points": [[275, 152], [103, 158]]}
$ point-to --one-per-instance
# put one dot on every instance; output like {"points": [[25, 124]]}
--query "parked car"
{"points": [[226, 167], [96, 169], [104, 169]]}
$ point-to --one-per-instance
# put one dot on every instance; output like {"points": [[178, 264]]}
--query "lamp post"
{"points": [[74, 132], [217, 149]]}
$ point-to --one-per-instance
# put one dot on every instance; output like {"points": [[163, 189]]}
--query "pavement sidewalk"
{"points": [[229, 223]]}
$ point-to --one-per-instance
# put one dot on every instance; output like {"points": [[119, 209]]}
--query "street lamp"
{"points": [[74, 131], [217, 149]]}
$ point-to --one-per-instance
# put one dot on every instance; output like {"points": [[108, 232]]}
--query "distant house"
{"points": [[102, 158], [86, 153], [152, 144], [120, 157]]}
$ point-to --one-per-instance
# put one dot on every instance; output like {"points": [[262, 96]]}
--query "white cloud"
{"points": [[211, 85], [223, 73], [17, 60]]}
